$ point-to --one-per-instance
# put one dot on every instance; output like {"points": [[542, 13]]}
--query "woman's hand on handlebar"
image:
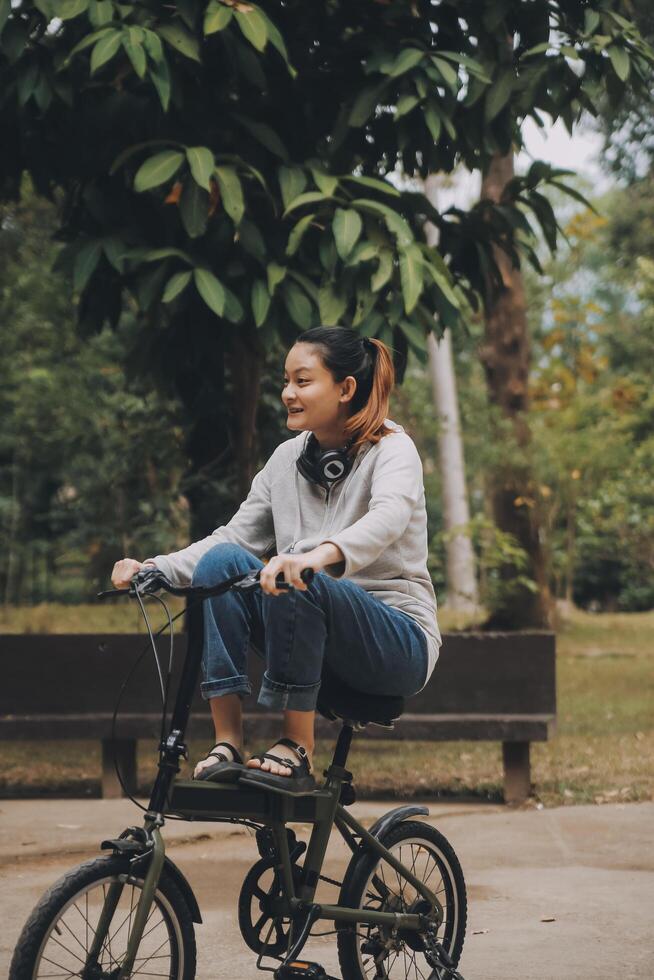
{"points": [[124, 570], [291, 566]]}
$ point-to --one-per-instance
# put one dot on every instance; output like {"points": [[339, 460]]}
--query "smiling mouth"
{"points": [[295, 411]]}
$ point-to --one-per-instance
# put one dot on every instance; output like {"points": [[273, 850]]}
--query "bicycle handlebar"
{"points": [[150, 580]]}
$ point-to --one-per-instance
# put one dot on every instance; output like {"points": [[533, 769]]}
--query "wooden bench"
{"points": [[486, 686]]}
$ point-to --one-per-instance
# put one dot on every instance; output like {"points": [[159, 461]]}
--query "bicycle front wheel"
{"points": [[365, 951], [57, 939]]}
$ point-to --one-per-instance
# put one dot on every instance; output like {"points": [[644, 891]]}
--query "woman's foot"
{"points": [[282, 751], [286, 768], [224, 755]]}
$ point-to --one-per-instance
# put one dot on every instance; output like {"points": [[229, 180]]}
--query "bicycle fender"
{"points": [[184, 887], [393, 817]]}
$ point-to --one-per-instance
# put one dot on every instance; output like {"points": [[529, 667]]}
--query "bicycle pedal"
{"points": [[301, 970]]}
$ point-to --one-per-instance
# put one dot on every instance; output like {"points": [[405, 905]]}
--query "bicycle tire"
{"points": [[357, 884], [50, 920]]}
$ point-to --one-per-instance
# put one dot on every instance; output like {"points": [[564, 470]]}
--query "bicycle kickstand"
{"points": [[440, 961]]}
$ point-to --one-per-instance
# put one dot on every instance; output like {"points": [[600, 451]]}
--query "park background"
{"points": [[115, 441]]}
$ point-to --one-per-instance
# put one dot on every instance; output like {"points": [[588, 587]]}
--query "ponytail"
{"points": [[345, 352]]}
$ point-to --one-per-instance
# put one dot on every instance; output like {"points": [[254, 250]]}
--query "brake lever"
{"points": [[251, 580]]}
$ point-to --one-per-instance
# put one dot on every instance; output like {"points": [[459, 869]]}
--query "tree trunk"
{"points": [[218, 380], [505, 355], [460, 557]]}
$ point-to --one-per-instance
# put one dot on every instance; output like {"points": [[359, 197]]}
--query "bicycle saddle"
{"points": [[337, 700]]}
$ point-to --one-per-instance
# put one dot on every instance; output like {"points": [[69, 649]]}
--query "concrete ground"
{"points": [[562, 894]]}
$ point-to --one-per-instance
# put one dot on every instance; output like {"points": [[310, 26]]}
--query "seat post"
{"points": [[343, 745]]}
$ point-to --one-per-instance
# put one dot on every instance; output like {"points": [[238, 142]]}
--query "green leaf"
{"points": [[156, 254], [277, 41], [276, 274], [5, 10], [448, 73], [194, 209], [292, 182], [384, 271], [149, 286], [311, 197], [253, 27], [28, 76], [136, 54], [324, 181], [265, 135], [252, 240], [85, 263], [375, 184], [260, 301], [332, 305], [411, 276], [405, 104], [114, 248], [364, 252], [538, 49], [395, 223], [365, 104], [234, 311], [407, 59], [178, 37], [175, 285], [105, 49], [498, 95], [153, 45], [211, 290], [231, 192], [201, 162], [433, 121], [620, 61], [441, 279], [88, 41], [67, 9], [297, 234], [160, 76], [474, 67], [591, 21], [298, 305], [415, 335], [347, 226], [157, 170], [101, 12], [217, 17]]}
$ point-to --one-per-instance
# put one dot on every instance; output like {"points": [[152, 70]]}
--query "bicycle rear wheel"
{"points": [[57, 938], [365, 951]]}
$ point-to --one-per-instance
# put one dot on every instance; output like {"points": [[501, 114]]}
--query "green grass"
{"points": [[602, 751]]}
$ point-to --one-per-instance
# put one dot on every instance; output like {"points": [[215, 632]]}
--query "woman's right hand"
{"points": [[123, 572]]}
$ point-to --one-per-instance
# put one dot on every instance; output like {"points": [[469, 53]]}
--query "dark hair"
{"points": [[345, 352]]}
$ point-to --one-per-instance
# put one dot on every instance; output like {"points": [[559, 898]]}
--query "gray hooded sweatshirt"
{"points": [[376, 516]]}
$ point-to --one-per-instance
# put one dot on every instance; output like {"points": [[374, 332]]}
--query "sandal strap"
{"points": [[221, 755], [300, 750]]}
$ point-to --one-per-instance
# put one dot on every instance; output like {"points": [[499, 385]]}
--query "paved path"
{"points": [[590, 869]]}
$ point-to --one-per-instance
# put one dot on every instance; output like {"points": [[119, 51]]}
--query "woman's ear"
{"points": [[348, 388]]}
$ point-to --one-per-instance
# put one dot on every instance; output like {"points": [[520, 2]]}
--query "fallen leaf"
{"points": [[548, 918], [480, 932]]}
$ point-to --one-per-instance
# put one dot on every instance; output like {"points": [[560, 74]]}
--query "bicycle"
{"points": [[132, 912]]}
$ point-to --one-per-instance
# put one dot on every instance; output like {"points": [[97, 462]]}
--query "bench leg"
{"points": [[517, 771], [124, 752]]}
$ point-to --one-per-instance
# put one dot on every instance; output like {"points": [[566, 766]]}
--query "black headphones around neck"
{"points": [[324, 467]]}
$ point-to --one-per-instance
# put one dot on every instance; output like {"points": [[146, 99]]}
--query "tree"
{"points": [[223, 164]]}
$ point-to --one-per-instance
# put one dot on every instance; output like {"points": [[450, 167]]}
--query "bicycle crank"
{"points": [[301, 970]]}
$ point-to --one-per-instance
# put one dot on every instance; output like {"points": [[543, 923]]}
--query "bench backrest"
{"points": [[477, 673]]}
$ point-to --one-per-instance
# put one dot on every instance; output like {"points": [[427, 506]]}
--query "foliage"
{"points": [[301, 120], [89, 460]]}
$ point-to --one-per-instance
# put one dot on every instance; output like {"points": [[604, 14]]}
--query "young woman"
{"points": [[345, 497]]}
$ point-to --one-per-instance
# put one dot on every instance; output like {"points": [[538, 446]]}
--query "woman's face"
{"points": [[310, 395]]}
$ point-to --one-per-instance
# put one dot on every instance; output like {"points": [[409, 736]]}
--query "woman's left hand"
{"points": [[292, 565]]}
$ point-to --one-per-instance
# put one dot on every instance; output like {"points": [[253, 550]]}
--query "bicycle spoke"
{"points": [[68, 973], [140, 969], [65, 948]]}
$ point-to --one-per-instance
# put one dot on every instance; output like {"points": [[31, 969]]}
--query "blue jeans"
{"points": [[371, 646]]}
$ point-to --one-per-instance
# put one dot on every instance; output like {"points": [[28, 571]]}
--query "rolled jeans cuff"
{"points": [[289, 697], [229, 685]]}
